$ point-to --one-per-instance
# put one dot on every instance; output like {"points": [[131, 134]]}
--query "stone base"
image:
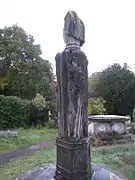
{"points": [[47, 172], [73, 160]]}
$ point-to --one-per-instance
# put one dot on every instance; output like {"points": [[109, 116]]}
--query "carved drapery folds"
{"points": [[73, 144], [72, 93], [71, 70]]}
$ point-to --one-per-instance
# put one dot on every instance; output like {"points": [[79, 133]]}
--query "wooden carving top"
{"points": [[74, 30]]}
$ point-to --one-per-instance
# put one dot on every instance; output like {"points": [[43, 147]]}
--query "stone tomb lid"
{"points": [[106, 118]]}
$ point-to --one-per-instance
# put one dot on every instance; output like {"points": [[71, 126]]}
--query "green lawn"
{"points": [[120, 160], [27, 137], [12, 170]]}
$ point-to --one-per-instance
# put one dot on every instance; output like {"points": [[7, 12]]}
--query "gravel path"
{"points": [[13, 155]]}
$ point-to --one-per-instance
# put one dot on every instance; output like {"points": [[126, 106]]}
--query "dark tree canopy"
{"points": [[22, 70], [93, 80], [116, 84]]}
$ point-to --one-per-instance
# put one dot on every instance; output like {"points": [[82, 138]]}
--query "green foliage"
{"points": [[13, 112], [133, 116], [116, 159], [97, 106], [119, 159], [16, 169], [3, 83], [39, 102], [116, 84], [24, 71], [27, 137], [52, 123], [92, 83]]}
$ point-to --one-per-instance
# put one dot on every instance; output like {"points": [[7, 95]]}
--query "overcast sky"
{"points": [[110, 27]]}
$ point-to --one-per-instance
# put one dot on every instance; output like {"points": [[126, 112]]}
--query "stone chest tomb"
{"points": [[109, 127]]}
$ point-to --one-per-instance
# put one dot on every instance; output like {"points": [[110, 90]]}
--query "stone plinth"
{"points": [[73, 160]]}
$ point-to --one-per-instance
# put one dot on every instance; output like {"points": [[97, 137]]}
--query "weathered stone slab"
{"points": [[8, 134], [108, 124], [47, 172], [109, 129], [107, 118]]}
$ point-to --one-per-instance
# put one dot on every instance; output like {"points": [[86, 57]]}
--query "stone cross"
{"points": [[73, 146]]}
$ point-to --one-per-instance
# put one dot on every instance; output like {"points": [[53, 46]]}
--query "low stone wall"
{"points": [[8, 134]]}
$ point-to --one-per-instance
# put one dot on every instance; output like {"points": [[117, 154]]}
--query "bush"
{"points": [[39, 102], [52, 123], [13, 112], [96, 106], [39, 111], [133, 115], [116, 84]]}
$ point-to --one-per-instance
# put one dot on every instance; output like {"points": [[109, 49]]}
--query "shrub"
{"points": [[116, 84], [13, 112], [38, 111], [133, 115], [39, 102], [96, 106], [52, 123]]}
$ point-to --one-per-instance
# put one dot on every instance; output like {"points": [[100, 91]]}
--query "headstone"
{"points": [[8, 134], [73, 146]]}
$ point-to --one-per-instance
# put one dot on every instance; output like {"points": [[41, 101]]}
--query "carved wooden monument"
{"points": [[73, 146]]}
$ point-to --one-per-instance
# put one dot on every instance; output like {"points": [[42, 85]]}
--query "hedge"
{"points": [[15, 113]]}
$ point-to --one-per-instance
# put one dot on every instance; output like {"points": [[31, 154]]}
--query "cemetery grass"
{"points": [[121, 160], [15, 169], [27, 137]]}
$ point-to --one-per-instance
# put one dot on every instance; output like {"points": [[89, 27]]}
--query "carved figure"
{"points": [[73, 144], [71, 70], [74, 30]]}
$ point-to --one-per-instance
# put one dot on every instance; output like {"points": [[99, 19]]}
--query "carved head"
{"points": [[74, 30]]}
